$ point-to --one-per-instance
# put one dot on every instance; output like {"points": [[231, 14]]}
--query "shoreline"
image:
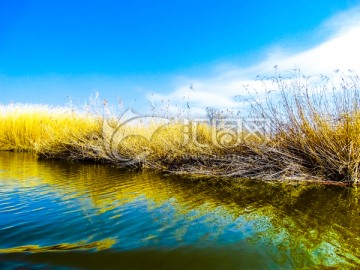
{"points": [[310, 130], [198, 177]]}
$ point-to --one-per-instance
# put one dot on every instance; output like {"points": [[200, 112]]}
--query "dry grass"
{"points": [[54, 132], [39, 128], [317, 122], [315, 134]]}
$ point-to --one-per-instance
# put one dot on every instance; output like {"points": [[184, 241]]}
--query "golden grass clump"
{"points": [[313, 134], [42, 128], [316, 124], [54, 132]]}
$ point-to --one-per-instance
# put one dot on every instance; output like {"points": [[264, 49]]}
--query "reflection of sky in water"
{"points": [[52, 203], [39, 216]]}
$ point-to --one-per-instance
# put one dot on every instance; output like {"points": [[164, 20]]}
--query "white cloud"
{"points": [[215, 86], [340, 50]]}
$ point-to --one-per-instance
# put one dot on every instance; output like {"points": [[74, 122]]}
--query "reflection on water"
{"points": [[76, 215]]}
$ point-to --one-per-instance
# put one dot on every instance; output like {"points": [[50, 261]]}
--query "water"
{"points": [[62, 215]]}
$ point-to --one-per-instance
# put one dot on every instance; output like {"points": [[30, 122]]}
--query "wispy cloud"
{"points": [[216, 85], [339, 50]]}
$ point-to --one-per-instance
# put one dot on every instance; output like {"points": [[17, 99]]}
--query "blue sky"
{"points": [[151, 51]]}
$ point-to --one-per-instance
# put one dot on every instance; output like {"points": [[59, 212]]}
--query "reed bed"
{"points": [[313, 134]]}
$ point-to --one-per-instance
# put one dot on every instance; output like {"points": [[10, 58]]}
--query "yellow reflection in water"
{"points": [[98, 245], [312, 224]]}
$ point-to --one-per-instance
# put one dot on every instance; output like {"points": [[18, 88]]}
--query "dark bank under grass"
{"points": [[313, 134]]}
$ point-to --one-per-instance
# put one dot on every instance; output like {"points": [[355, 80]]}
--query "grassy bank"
{"points": [[313, 133]]}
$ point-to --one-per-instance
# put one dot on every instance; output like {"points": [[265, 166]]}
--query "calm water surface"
{"points": [[62, 215]]}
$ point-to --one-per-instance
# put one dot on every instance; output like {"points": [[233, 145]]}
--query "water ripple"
{"points": [[46, 204]]}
